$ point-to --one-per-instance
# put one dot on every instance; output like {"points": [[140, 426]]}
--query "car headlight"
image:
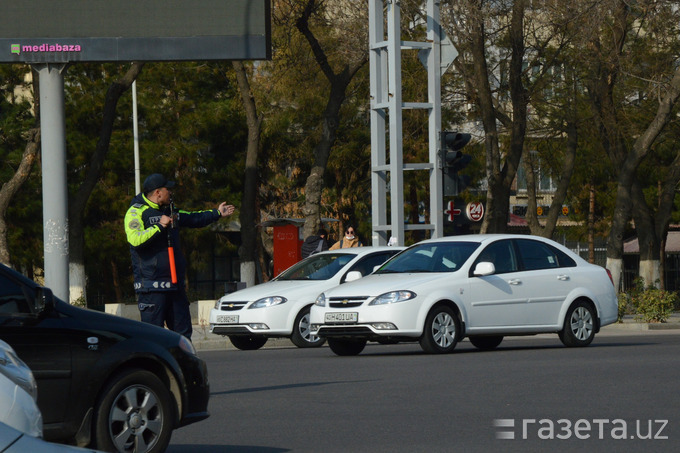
{"points": [[321, 300], [186, 345], [393, 297], [268, 302]]}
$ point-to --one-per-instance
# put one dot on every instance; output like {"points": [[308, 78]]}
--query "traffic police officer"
{"points": [[153, 235]]}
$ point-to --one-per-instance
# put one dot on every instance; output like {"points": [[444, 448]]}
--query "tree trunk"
{"points": [[330, 121], [555, 209], [591, 224], [648, 241], [499, 178], [78, 202], [10, 188], [249, 213], [116, 283]]}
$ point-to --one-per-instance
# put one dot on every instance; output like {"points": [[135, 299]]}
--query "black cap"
{"points": [[156, 181]]}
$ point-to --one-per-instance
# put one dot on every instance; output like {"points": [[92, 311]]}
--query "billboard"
{"points": [[51, 31]]}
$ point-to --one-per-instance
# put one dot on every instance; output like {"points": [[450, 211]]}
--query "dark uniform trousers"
{"points": [[160, 307]]}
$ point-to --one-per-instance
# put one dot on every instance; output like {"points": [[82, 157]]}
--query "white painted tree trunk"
{"points": [[615, 266], [248, 273], [650, 272], [77, 281]]}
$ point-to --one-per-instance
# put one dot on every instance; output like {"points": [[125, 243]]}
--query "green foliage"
{"points": [[80, 302], [625, 306], [24, 213], [650, 304]]}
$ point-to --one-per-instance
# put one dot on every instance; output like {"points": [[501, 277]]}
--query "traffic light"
{"points": [[453, 160]]}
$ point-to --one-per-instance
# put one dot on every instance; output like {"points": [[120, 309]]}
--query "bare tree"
{"points": [[341, 17], [249, 211], [470, 28], [608, 56], [11, 187]]}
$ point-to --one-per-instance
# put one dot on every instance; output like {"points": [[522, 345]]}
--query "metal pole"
{"points": [[395, 121], [435, 120], [54, 181], [135, 135], [378, 64]]}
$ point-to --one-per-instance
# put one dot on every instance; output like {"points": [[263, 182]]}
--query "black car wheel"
{"points": [[346, 347], [486, 342], [579, 325], [134, 414], [440, 333], [247, 342], [301, 336]]}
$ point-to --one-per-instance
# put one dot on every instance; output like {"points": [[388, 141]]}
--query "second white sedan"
{"points": [[280, 307], [482, 287]]}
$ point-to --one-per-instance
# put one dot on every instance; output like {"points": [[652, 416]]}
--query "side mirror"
{"points": [[484, 268], [44, 300], [353, 275]]}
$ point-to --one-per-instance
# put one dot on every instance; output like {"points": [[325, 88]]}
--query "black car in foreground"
{"points": [[111, 383]]}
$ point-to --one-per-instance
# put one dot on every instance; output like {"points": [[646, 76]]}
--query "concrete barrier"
{"points": [[200, 311]]}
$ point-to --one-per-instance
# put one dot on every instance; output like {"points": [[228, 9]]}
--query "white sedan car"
{"points": [[280, 307], [482, 287]]}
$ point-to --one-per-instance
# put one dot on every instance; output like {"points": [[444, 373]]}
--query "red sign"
{"points": [[451, 211], [475, 211]]}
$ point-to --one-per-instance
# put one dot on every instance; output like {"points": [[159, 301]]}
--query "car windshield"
{"points": [[317, 267], [430, 257]]}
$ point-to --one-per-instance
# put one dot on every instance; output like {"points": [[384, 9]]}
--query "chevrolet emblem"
{"points": [[345, 302], [231, 305]]}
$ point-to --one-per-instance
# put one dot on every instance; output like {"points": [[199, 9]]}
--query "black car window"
{"points": [[564, 259], [368, 263], [317, 267], [537, 255], [502, 255], [447, 256], [13, 297]]}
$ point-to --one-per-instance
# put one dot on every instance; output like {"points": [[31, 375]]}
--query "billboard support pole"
{"points": [[54, 184], [135, 136]]}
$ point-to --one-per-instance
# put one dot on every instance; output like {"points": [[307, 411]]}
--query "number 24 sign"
{"points": [[475, 211]]}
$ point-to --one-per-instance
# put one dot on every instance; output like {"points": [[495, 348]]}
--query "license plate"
{"points": [[227, 319], [342, 317]]}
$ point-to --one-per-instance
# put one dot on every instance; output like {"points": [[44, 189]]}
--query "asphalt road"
{"points": [[619, 394]]}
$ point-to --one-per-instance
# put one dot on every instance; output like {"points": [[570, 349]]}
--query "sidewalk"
{"points": [[203, 340]]}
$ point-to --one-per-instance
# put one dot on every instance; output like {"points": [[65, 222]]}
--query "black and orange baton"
{"points": [[171, 250]]}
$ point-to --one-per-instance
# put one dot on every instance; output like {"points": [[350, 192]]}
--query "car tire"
{"points": [[134, 413], [247, 342], [346, 347], [301, 336], [579, 325], [486, 342], [440, 333]]}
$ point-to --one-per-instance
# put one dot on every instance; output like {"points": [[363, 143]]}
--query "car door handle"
{"points": [[563, 277], [515, 281]]}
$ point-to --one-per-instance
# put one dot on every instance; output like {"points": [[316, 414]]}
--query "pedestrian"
{"points": [[152, 228], [349, 240], [315, 243]]}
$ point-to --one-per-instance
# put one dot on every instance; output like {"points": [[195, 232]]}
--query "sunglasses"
{"points": [[349, 232]]}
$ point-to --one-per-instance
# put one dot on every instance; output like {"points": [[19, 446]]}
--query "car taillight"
{"points": [[611, 279]]}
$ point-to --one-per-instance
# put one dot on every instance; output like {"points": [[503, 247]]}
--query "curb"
{"points": [[206, 341], [643, 326]]}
